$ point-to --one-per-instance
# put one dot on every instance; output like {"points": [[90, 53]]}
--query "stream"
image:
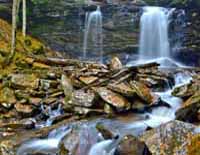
{"points": [[91, 142]]}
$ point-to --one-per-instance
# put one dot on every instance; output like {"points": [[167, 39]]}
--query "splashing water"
{"points": [[93, 37]]}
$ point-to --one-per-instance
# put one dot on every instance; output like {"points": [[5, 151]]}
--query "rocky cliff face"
{"points": [[60, 24]]}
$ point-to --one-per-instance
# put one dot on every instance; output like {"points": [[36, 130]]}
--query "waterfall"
{"points": [[154, 41], [93, 38]]}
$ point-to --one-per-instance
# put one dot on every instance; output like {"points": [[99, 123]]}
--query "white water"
{"points": [[154, 42], [52, 115], [93, 36], [49, 145], [106, 147]]}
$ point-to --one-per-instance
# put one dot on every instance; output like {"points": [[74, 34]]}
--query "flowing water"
{"points": [[154, 41], [93, 36]]}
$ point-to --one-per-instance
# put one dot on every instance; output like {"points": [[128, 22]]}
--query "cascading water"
{"points": [[154, 42], [93, 36]]}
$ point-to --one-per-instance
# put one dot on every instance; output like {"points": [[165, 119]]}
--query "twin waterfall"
{"points": [[93, 38], [154, 42]]}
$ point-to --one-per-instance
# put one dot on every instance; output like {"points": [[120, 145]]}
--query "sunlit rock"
{"points": [[142, 91], [113, 99], [170, 138]]}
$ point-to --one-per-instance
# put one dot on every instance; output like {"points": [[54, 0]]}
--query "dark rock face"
{"points": [[61, 25]]}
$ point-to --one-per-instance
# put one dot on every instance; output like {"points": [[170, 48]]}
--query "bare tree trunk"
{"points": [[24, 18], [14, 26]]}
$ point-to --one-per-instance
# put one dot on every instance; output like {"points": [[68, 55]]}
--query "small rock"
{"points": [[189, 109], [7, 97], [88, 80], [24, 109], [107, 134], [46, 84], [40, 65], [115, 64]]}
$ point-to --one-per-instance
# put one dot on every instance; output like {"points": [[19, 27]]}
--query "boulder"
{"points": [[115, 64], [186, 90], [88, 79], [114, 99], [83, 98], [142, 91], [189, 109], [193, 146], [169, 139], [122, 88], [130, 145]]}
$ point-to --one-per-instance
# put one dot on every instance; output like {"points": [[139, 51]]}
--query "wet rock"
{"points": [[114, 99], [130, 145], [122, 88], [139, 105], [115, 64], [83, 98], [107, 134], [142, 91], [23, 81], [170, 138], [63, 150], [67, 87], [186, 90], [70, 142], [87, 111], [189, 109]]}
